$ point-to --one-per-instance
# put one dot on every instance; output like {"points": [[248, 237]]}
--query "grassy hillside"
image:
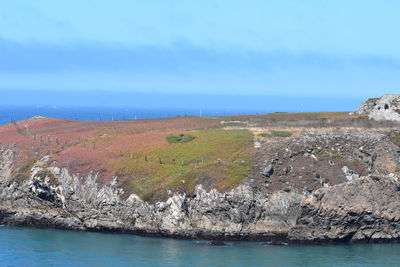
{"points": [[217, 158]]}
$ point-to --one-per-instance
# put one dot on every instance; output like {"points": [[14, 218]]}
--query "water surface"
{"points": [[44, 247]]}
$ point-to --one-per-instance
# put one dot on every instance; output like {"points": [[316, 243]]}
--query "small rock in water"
{"points": [[217, 243]]}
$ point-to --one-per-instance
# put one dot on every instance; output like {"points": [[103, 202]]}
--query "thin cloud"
{"points": [[181, 57]]}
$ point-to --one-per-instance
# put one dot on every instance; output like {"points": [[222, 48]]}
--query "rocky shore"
{"points": [[322, 187]]}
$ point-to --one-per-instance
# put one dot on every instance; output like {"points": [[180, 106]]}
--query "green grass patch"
{"points": [[281, 133], [329, 154], [335, 155], [179, 138], [276, 134], [217, 158], [264, 134]]}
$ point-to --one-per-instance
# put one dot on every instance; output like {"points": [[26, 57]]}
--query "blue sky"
{"points": [[224, 47]]}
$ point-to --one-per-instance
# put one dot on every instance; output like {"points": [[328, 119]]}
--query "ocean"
{"points": [[49, 247], [13, 113]]}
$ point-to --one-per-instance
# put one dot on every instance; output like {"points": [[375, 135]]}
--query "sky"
{"points": [[315, 49]]}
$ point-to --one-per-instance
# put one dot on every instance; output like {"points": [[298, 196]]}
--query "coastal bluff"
{"points": [[290, 177]]}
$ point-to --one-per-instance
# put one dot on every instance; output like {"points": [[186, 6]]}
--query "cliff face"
{"points": [[348, 208], [363, 210], [73, 203]]}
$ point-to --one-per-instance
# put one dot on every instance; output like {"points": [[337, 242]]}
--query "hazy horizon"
{"points": [[109, 99]]}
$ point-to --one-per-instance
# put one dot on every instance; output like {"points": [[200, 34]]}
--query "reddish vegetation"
{"points": [[88, 145], [80, 160]]}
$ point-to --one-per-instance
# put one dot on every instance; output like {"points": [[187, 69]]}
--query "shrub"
{"points": [[179, 138]]}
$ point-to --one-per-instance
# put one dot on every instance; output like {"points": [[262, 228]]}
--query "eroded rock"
{"points": [[386, 107]]}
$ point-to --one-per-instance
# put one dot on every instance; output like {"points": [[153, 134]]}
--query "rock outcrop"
{"points": [[73, 203], [386, 107], [366, 209]]}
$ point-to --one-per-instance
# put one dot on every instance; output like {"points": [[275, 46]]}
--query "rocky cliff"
{"points": [[299, 192], [383, 108]]}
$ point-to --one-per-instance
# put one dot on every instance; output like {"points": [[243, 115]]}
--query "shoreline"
{"points": [[199, 236]]}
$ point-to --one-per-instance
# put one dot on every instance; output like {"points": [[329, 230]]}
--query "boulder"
{"points": [[268, 171]]}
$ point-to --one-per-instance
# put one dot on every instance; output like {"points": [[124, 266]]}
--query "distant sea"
{"points": [[48, 247], [8, 114]]}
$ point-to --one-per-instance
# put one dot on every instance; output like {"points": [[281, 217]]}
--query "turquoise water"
{"points": [[44, 247]]}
